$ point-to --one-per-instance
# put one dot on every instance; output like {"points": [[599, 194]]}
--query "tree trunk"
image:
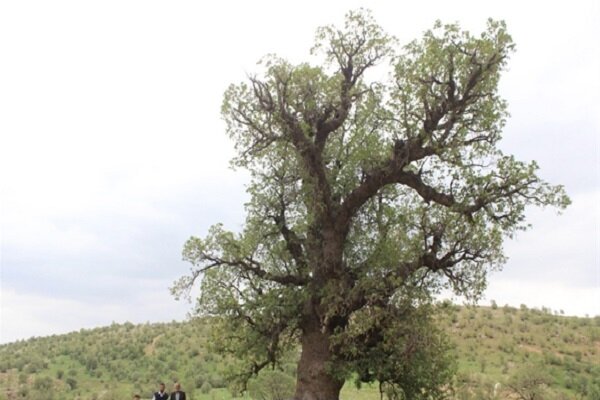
{"points": [[313, 382]]}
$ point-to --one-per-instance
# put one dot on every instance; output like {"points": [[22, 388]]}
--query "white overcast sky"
{"points": [[112, 151]]}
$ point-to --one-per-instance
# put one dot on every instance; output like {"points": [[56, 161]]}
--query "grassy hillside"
{"points": [[505, 345], [496, 348]]}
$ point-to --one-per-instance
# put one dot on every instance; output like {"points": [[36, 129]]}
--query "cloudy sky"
{"points": [[112, 151]]}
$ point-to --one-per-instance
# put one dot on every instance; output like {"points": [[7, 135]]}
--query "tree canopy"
{"points": [[370, 193]]}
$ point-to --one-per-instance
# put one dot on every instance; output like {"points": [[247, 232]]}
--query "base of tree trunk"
{"points": [[314, 383]]}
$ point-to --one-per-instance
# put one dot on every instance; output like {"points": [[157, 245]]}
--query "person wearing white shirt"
{"points": [[161, 394]]}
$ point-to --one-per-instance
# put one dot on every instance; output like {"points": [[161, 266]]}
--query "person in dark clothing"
{"points": [[178, 394], [161, 394]]}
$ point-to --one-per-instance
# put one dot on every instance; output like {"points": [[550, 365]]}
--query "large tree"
{"points": [[369, 193]]}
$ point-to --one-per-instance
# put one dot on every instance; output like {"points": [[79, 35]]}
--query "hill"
{"points": [[499, 350]]}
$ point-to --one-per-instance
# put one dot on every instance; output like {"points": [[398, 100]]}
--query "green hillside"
{"points": [[499, 350]]}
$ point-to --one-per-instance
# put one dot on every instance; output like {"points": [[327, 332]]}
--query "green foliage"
{"points": [[127, 355], [409, 360], [271, 385], [72, 383], [42, 383], [529, 383], [366, 196], [576, 377], [206, 387]]}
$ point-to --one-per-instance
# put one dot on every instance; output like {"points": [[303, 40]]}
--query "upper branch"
{"points": [[360, 46], [334, 117], [391, 172], [250, 265], [273, 98], [294, 244]]}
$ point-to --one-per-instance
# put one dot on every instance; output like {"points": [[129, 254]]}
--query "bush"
{"points": [[72, 383], [217, 381], [272, 385], [594, 392], [206, 387], [529, 382], [23, 392], [42, 383]]}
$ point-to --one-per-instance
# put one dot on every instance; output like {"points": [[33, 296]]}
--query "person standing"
{"points": [[161, 394], [178, 394]]}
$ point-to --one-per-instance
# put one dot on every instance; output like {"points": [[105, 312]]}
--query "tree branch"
{"points": [[392, 172], [294, 244], [250, 265]]}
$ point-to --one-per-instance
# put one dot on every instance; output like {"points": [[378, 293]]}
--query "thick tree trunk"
{"points": [[314, 383]]}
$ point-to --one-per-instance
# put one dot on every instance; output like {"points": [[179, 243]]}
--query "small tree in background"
{"points": [[529, 383], [367, 198], [271, 385]]}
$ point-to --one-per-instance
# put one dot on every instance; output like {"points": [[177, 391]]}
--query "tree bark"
{"points": [[313, 382]]}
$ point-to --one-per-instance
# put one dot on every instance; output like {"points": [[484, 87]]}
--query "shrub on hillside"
{"points": [[272, 385], [72, 383], [528, 383], [206, 387], [42, 383]]}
